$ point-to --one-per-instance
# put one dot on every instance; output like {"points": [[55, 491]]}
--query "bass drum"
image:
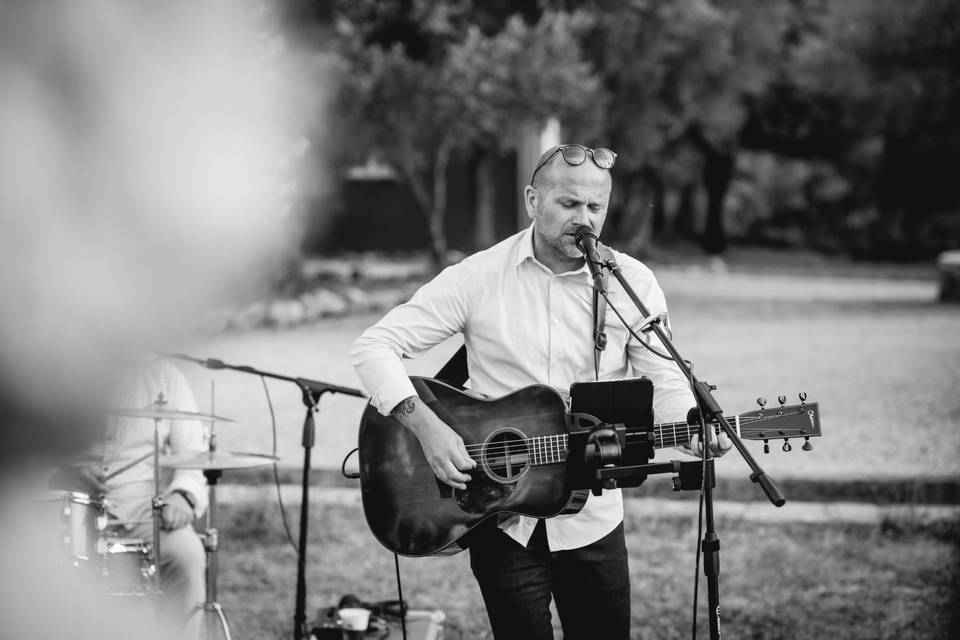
{"points": [[126, 566]]}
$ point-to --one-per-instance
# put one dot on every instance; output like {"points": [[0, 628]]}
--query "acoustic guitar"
{"points": [[519, 442]]}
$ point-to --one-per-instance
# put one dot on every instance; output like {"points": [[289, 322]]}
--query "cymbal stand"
{"points": [[157, 502], [211, 540], [210, 606]]}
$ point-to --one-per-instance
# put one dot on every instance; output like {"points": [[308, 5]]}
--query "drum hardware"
{"points": [[216, 460], [213, 463], [80, 518], [127, 566], [159, 411]]}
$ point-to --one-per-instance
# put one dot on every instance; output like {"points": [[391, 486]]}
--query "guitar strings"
{"points": [[668, 439], [558, 447]]}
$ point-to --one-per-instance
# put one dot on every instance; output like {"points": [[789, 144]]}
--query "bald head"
{"points": [[562, 200], [552, 164], [557, 172]]}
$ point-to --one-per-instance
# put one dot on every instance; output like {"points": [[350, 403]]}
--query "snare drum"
{"points": [[74, 521], [126, 566]]}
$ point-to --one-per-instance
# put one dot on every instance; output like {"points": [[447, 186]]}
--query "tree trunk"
{"points": [[684, 219], [657, 204], [718, 165], [438, 239], [637, 225], [717, 176], [485, 233], [433, 202]]}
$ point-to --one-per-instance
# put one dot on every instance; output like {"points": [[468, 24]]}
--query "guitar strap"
{"points": [[455, 371]]}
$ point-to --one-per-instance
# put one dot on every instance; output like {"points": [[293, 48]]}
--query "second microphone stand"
{"points": [[310, 392]]}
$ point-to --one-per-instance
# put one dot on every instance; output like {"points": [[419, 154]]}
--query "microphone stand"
{"points": [[710, 411], [310, 391]]}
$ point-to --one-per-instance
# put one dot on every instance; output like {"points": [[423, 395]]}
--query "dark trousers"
{"points": [[590, 585]]}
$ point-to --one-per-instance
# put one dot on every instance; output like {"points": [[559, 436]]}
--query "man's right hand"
{"points": [[79, 479], [443, 448]]}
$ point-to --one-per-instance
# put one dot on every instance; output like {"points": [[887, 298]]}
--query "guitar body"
{"points": [[412, 513]]}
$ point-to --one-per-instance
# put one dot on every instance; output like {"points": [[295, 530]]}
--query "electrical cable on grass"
{"points": [[276, 475]]}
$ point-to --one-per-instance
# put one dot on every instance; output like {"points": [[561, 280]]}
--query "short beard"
{"points": [[558, 246]]}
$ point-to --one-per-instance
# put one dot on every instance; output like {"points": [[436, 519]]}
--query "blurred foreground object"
{"points": [[143, 153], [948, 267], [144, 149]]}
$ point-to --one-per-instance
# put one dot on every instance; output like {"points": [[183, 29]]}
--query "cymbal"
{"points": [[157, 411], [216, 460]]}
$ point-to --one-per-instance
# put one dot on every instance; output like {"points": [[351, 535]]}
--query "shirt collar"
{"points": [[525, 252]]}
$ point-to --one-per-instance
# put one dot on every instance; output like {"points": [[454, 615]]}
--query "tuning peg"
{"points": [[782, 400], [762, 402], [803, 397], [786, 446], [766, 446], [806, 445]]}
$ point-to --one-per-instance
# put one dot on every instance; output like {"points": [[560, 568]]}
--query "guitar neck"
{"points": [[552, 449], [672, 434]]}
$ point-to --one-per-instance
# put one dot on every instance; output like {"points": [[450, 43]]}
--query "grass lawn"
{"points": [[880, 356], [893, 579]]}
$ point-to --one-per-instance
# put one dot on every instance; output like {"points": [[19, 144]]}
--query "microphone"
{"points": [[587, 243]]}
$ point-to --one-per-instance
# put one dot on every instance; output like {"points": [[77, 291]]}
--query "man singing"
{"points": [[525, 308]]}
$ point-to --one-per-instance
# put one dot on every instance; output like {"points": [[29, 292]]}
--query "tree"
{"points": [[530, 72], [679, 73], [465, 89]]}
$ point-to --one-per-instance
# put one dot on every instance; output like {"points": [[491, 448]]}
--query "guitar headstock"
{"points": [[784, 422]]}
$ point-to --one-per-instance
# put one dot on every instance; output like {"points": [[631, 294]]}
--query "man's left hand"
{"points": [[176, 512], [719, 445]]}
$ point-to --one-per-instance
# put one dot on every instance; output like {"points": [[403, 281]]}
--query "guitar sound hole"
{"points": [[506, 455]]}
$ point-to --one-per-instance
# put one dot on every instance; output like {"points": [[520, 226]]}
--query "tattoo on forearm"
{"points": [[405, 407]]}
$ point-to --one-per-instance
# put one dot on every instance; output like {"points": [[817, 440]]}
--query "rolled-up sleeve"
{"points": [[436, 311]]}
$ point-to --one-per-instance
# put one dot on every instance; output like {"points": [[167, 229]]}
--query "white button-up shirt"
{"points": [[522, 325]]}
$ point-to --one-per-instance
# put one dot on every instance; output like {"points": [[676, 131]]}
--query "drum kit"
{"points": [[128, 567]]}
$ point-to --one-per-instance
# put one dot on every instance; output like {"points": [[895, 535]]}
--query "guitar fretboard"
{"points": [[553, 448]]}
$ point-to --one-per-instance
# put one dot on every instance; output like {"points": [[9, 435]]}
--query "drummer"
{"points": [[120, 467]]}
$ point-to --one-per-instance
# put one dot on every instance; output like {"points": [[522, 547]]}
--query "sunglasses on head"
{"points": [[576, 154]]}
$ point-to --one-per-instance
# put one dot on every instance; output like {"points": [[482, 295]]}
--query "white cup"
{"points": [[354, 618]]}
